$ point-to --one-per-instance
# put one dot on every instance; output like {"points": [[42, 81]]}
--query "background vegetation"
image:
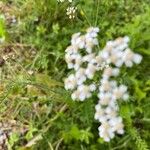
{"points": [[32, 70]]}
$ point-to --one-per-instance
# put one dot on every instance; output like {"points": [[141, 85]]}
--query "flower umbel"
{"points": [[71, 12], [81, 56]]}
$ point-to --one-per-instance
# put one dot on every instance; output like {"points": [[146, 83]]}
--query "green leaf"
{"points": [[14, 137], [139, 93]]}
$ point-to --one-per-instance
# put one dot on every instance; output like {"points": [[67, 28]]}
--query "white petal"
{"points": [[137, 58]]}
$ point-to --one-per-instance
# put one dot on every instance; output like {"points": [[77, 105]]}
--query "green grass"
{"points": [[39, 100]]}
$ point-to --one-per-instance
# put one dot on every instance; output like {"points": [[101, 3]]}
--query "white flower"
{"points": [[90, 71], [78, 62], [71, 49], [109, 45], [104, 54], [69, 61], [108, 72], [89, 57], [84, 92], [137, 58], [120, 92], [117, 125], [80, 41], [106, 132], [90, 43], [70, 82], [92, 87], [113, 84], [73, 60], [80, 76], [115, 72], [100, 113], [105, 86], [75, 95], [128, 58], [71, 12], [125, 96], [90, 38], [92, 32], [126, 39], [75, 37], [119, 62], [105, 98], [110, 112], [98, 62]]}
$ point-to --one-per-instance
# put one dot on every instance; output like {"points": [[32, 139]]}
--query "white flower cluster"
{"points": [[116, 53], [71, 10], [85, 65], [80, 57], [107, 108]]}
